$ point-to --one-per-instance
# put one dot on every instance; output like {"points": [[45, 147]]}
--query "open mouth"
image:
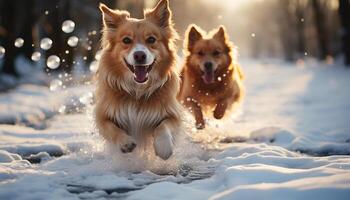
{"points": [[208, 76], [140, 71]]}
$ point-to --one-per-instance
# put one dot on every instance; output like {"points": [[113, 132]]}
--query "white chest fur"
{"points": [[135, 118]]}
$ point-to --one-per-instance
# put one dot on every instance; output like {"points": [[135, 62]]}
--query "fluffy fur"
{"points": [[128, 112], [211, 77]]}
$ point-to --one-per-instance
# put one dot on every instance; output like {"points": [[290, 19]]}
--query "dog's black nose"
{"points": [[208, 66], [140, 57]]}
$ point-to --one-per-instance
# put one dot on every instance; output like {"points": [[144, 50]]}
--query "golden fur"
{"points": [[127, 112], [226, 89]]}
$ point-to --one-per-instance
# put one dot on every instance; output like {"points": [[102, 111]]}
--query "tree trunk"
{"points": [[285, 28], [134, 7], [59, 11], [300, 14], [16, 22], [344, 12], [322, 32]]}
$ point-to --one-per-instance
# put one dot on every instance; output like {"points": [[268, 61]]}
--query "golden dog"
{"points": [[211, 77], [137, 82]]}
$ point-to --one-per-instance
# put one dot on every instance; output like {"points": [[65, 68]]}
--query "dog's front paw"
{"points": [[163, 145], [218, 114], [127, 144], [200, 125], [219, 111]]}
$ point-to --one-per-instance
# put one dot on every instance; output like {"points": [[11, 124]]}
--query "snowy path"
{"points": [[290, 140]]}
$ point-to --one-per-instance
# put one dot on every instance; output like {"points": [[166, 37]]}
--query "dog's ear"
{"points": [[193, 35], [221, 34], [161, 14], [111, 18]]}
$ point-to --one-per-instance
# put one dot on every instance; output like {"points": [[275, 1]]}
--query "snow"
{"points": [[289, 140]]}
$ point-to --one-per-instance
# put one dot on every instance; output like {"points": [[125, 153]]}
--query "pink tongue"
{"points": [[140, 74], [208, 77]]}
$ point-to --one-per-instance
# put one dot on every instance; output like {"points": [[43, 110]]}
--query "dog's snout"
{"points": [[140, 57], [208, 66]]}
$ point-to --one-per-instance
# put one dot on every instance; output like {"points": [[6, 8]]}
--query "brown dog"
{"points": [[211, 77], [137, 82]]}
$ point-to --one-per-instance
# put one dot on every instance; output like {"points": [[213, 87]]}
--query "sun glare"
{"points": [[229, 4]]}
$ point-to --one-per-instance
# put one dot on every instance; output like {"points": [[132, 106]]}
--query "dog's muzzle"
{"points": [[140, 61], [208, 73], [140, 71]]}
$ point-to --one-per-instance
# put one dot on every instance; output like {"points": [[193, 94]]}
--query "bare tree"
{"points": [[135, 7], [344, 11], [322, 32], [16, 21], [300, 25], [286, 27]]}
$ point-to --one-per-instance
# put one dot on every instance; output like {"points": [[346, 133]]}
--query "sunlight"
{"points": [[232, 4], [192, 99]]}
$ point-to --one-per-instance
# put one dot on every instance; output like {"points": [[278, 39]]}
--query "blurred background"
{"points": [[62, 36]]}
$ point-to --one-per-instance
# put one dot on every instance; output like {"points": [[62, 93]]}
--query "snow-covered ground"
{"points": [[289, 140]]}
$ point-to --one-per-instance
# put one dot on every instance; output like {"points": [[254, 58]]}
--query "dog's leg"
{"points": [[220, 109], [113, 133], [127, 143], [164, 139], [197, 112]]}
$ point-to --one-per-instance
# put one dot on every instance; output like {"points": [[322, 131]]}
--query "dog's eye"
{"points": [[201, 53], [151, 40], [127, 40], [216, 53]]}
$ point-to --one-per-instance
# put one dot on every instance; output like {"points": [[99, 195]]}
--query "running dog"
{"points": [[211, 77], [137, 82]]}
